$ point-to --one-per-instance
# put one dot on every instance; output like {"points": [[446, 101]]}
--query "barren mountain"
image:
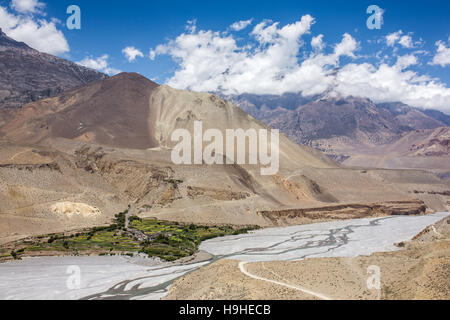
{"points": [[112, 112], [352, 130], [130, 111], [427, 149], [269, 107], [263, 107], [416, 118], [75, 160], [355, 119], [28, 75]]}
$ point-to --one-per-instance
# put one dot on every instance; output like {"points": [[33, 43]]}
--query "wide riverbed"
{"points": [[128, 278]]}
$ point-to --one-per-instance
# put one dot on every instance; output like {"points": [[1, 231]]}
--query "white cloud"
{"points": [[392, 83], [442, 56], [241, 25], [394, 38], [406, 42], [274, 60], [317, 43], [27, 6], [100, 64], [131, 53], [406, 61], [213, 61], [346, 47], [191, 26], [152, 54], [39, 34]]}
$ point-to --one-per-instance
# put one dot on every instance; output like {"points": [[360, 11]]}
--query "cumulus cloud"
{"points": [[346, 47], [406, 61], [131, 53], [394, 38], [442, 56], [241, 25], [392, 83], [213, 61], [38, 33], [406, 42], [274, 60], [317, 43], [27, 6], [100, 64]]}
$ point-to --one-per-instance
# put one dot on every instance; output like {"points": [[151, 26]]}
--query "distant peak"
{"points": [[2, 34], [131, 76], [6, 41], [333, 96], [128, 75]]}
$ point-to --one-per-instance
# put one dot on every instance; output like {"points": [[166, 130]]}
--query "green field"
{"points": [[167, 240], [171, 241]]}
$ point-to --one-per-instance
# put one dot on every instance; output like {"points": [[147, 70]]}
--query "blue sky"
{"points": [[110, 26]]}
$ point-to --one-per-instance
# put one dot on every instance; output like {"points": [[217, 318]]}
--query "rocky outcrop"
{"points": [[442, 193], [221, 195], [32, 167], [139, 181], [344, 211], [437, 144], [304, 189]]}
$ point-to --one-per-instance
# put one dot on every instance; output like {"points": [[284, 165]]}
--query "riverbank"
{"points": [[133, 278], [127, 236], [420, 270]]}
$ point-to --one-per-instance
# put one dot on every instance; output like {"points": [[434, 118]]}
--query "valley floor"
{"points": [[420, 271], [271, 265]]}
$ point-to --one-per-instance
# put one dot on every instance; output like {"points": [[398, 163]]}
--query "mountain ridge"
{"points": [[351, 126], [27, 75], [7, 42], [107, 146]]}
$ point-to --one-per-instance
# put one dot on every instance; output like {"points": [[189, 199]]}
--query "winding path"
{"points": [[306, 291], [122, 278]]}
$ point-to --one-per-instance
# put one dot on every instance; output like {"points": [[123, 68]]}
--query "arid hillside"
{"points": [[356, 131], [76, 160]]}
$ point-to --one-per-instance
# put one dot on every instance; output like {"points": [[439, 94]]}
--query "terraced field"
{"points": [[166, 240]]}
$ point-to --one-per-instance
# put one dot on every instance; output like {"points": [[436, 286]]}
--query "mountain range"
{"points": [[356, 131], [74, 160]]}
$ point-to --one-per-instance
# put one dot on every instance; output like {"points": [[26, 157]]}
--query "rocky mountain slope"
{"points": [[77, 159], [261, 106], [28, 75], [352, 127], [437, 143], [356, 119], [130, 111]]}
